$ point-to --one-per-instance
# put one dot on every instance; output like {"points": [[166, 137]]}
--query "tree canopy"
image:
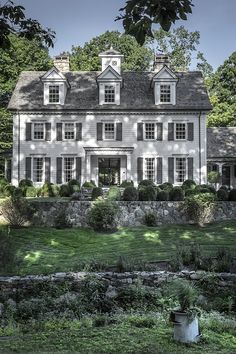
{"points": [[14, 21], [138, 16]]}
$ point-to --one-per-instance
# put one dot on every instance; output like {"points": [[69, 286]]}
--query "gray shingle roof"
{"points": [[221, 142], [136, 94]]}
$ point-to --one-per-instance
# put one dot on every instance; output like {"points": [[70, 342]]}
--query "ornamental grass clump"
{"points": [[102, 215], [17, 211]]}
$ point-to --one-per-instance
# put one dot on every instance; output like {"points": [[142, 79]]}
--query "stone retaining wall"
{"points": [[132, 213]]}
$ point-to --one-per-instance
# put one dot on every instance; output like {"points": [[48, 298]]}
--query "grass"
{"points": [[47, 250], [123, 336]]}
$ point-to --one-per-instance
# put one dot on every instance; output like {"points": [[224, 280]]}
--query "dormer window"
{"points": [[164, 84], [54, 96], [109, 94], [165, 94]]}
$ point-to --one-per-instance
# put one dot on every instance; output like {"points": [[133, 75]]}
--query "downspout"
{"points": [[18, 148], [200, 148]]}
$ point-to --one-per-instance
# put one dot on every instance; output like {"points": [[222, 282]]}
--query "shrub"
{"points": [[200, 207], [61, 221], [163, 195], [88, 184], [130, 194], [12, 191], [224, 260], [64, 190], [189, 192], [204, 188], [17, 211], [126, 184], [114, 193], [150, 219], [222, 194], [185, 293], [7, 251], [25, 183], [147, 193], [31, 192], [177, 194], [146, 183], [102, 215], [3, 181], [46, 190], [76, 196], [232, 195], [74, 186], [213, 177], [166, 186], [96, 193], [55, 190], [188, 184], [225, 188]]}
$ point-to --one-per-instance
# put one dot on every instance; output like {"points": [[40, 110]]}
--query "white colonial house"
{"points": [[109, 126]]}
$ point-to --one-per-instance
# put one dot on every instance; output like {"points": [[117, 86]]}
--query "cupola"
{"points": [[113, 58]]}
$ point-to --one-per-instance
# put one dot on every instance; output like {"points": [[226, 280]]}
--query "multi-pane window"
{"points": [[38, 131], [54, 94], [180, 169], [149, 168], [109, 94], [109, 131], [38, 169], [69, 131], [165, 93], [69, 168], [180, 131], [149, 131]]}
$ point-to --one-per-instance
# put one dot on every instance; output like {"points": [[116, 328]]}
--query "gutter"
{"points": [[200, 148], [18, 147]]}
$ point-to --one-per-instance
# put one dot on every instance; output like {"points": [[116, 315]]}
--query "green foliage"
{"points": [[232, 195], [185, 293], [47, 190], [213, 177], [166, 186], [130, 194], [89, 184], [7, 251], [17, 211], [176, 194], [74, 186], [150, 219], [146, 183], [64, 190], [200, 207], [3, 181], [12, 191], [136, 57], [114, 193], [6, 125], [222, 195], [102, 215], [126, 184], [25, 183], [224, 260], [31, 192], [147, 193], [61, 221], [188, 184], [163, 195], [96, 193]]}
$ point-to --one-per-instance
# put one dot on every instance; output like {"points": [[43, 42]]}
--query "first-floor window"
{"points": [[109, 131], [69, 131], [149, 131], [180, 169], [149, 168], [38, 131], [109, 94], [38, 169], [69, 168]]}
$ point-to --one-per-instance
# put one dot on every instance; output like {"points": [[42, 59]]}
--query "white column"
{"points": [[88, 167], [128, 167]]}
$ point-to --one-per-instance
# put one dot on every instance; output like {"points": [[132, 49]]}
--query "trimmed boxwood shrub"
{"points": [[46, 190], [12, 191], [176, 194], [55, 190], [232, 195], [102, 215], [130, 194], [96, 192], [89, 184], [114, 193], [74, 186], [163, 195], [222, 195], [188, 184], [146, 183], [25, 183], [166, 186], [64, 190], [126, 184], [147, 193], [31, 192], [189, 192]]}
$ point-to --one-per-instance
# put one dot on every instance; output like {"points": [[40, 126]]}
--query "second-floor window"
{"points": [[38, 169], [109, 94], [180, 131], [165, 94], [149, 131], [54, 96], [149, 168], [69, 131], [69, 169], [38, 131], [109, 131], [180, 169]]}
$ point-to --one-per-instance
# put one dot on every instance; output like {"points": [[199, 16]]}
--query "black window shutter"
{"points": [[59, 131], [190, 168], [48, 131], [159, 170], [28, 131], [59, 170], [190, 132], [234, 170], [159, 131], [119, 131], [78, 131], [171, 170], [28, 168], [99, 131], [140, 169], [140, 131], [170, 131], [47, 169], [78, 168]]}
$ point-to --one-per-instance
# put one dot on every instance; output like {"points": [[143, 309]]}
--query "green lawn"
{"points": [[46, 250]]}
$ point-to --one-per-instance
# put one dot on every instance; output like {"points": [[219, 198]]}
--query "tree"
{"points": [[136, 57], [14, 21], [138, 16]]}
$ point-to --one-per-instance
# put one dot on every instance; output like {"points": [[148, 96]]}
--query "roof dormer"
{"points": [[109, 83], [111, 58], [164, 83], [55, 87]]}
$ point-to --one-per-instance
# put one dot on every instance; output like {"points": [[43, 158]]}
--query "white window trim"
{"points": [[63, 131], [155, 167], [103, 132], [58, 94], [157, 92], [166, 84], [63, 169], [155, 131], [102, 93], [32, 170], [186, 170], [186, 131], [44, 131], [114, 87]]}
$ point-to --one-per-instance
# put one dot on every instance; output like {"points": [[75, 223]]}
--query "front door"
{"points": [[109, 171], [226, 176]]}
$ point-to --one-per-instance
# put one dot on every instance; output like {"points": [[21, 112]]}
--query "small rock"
{"points": [[111, 292]]}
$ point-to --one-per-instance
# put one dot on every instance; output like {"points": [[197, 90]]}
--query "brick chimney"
{"points": [[160, 61], [62, 63]]}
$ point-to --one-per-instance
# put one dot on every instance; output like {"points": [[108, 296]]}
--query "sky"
{"points": [[77, 21]]}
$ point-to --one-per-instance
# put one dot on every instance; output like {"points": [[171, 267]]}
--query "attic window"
{"points": [[109, 96], [54, 96], [165, 93]]}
